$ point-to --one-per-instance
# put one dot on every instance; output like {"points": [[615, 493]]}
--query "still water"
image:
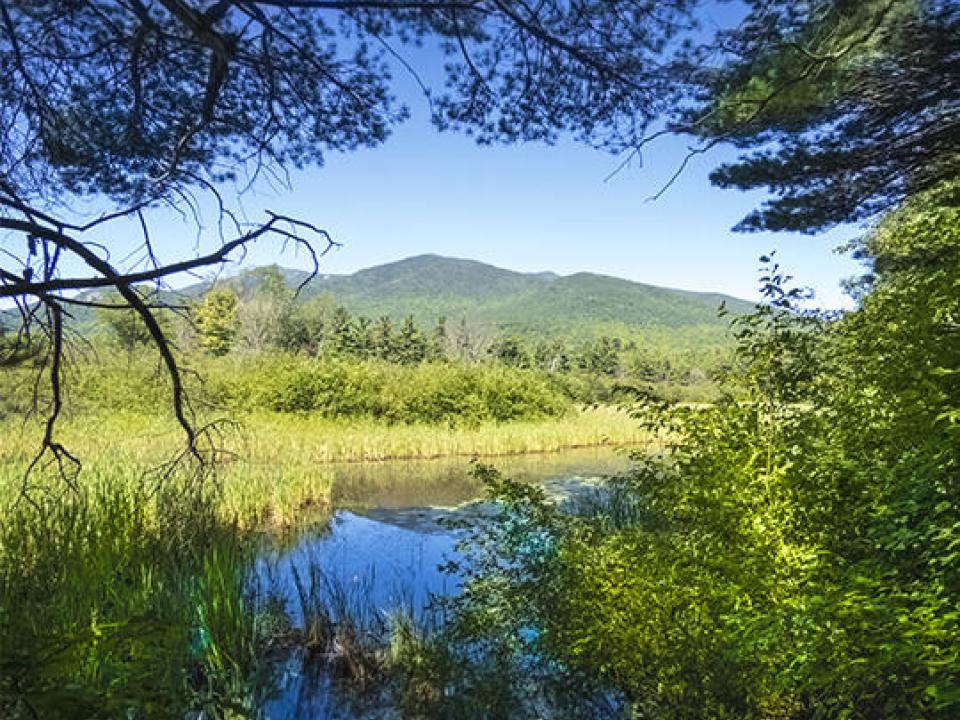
{"points": [[387, 539]]}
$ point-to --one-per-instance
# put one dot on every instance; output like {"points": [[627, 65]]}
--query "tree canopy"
{"points": [[846, 107]]}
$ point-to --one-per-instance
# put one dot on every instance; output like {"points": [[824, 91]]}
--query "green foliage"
{"points": [[125, 324], [510, 351], [264, 315], [429, 392], [844, 107], [346, 386], [15, 350], [795, 552], [305, 328], [215, 319], [583, 306], [682, 342], [591, 370], [438, 341], [601, 357], [118, 602], [411, 345], [552, 356]]}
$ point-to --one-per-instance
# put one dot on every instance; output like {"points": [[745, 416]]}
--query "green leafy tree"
{"points": [[216, 320], [264, 313], [648, 366], [307, 326], [341, 331], [437, 345], [511, 351], [795, 549], [601, 357], [363, 338], [126, 326], [552, 356]]}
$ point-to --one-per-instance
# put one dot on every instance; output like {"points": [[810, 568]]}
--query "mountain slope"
{"points": [[543, 303], [428, 286]]}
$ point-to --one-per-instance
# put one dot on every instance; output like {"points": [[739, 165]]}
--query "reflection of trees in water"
{"points": [[450, 482]]}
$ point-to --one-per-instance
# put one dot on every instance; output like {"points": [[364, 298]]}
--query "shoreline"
{"points": [[483, 455], [272, 439]]}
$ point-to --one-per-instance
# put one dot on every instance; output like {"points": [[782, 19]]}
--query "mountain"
{"points": [[542, 303], [583, 304]]}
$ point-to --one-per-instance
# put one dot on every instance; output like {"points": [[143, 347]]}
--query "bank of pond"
{"points": [[272, 465], [122, 600]]}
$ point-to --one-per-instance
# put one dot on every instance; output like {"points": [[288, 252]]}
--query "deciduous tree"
{"points": [[216, 321]]}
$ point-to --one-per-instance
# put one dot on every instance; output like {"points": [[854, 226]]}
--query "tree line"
{"points": [[270, 318]]}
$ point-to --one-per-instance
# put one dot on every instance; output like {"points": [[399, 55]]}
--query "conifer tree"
{"points": [[411, 344], [437, 346], [383, 338]]}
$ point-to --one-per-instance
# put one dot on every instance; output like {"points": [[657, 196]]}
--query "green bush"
{"points": [[796, 553], [331, 387]]}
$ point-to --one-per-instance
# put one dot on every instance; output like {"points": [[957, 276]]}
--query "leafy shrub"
{"points": [[432, 392], [796, 553]]}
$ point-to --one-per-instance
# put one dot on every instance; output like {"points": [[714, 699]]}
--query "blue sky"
{"points": [[537, 207], [531, 208]]}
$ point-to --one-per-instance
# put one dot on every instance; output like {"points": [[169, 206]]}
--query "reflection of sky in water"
{"points": [[390, 559], [384, 561], [387, 556]]}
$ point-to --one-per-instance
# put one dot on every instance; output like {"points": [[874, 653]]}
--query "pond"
{"points": [[111, 606], [386, 542]]}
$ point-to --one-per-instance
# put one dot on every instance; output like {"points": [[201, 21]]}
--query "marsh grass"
{"points": [[115, 602], [281, 469], [107, 610], [342, 631]]}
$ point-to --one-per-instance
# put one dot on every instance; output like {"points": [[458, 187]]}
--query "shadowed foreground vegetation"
{"points": [[796, 551], [117, 602]]}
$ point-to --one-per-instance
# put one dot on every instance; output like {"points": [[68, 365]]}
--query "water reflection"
{"points": [[388, 534], [449, 483], [307, 693], [389, 562], [384, 546]]}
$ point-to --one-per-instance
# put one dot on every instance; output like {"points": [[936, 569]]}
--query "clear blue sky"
{"points": [[535, 207]]}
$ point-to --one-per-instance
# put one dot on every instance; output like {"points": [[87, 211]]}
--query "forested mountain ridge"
{"points": [[543, 303], [583, 304]]}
